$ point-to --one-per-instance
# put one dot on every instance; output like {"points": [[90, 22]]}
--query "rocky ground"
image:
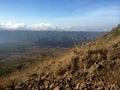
{"points": [[79, 81], [94, 76]]}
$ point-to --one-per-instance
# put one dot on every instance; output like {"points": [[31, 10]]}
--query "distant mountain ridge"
{"points": [[48, 37]]}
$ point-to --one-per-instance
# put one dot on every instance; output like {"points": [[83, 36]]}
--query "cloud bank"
{"points": [[23, 26], [37, 27], [48, 27]]}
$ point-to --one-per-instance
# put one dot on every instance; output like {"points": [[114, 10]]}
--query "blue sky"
{"points": [[62, 14]]}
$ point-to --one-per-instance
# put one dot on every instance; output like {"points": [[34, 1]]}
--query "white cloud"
{"points": [[22, 26], [11, 25], [36, 27]]}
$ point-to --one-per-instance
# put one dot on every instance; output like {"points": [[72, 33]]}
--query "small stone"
{"points": [[56, 88], [51, 86], [46, 84], [77, 86], [30, 85]]}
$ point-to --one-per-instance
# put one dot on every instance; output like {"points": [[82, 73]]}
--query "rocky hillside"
{"points": [[93, 66]]}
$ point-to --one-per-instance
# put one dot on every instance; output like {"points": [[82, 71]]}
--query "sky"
{"points": [[99, 15]]}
